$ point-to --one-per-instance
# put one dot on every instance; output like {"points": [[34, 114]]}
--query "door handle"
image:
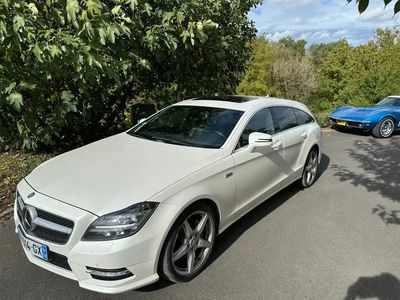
{"points": [[304, 135], [277, 145]]}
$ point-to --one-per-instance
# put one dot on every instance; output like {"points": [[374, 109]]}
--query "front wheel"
{"points": [[310, 169], [189, 244], [384, 128]]}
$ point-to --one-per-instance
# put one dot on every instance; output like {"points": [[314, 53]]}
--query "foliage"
{"points": [[361, 75], [14, 167], [363, 5], [279, 69], [68, 68], [294, 77], [296, 47], [326, 76]]}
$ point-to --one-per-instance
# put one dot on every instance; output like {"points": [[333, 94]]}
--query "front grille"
{"points": [[55, 219], [47, 226], [348, 123]]}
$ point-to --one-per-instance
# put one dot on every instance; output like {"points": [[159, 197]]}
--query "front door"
{"points": [[257, 174]]}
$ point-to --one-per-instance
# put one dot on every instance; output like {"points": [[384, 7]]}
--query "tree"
{"points": [[294, 77], [297, 47], [360, 75], [68, 68], [258, 80], [363, 5], [279, 69]]}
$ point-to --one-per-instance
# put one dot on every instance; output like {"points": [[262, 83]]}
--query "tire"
{"points": [[185, 244], [310, 169], [384, 129]]}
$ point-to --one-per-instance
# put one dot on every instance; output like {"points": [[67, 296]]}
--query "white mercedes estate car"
{"points": [[118, 213]]}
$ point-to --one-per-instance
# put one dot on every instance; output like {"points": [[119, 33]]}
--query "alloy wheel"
{"points": [[193, 242], [311, 168], [387, 127]]}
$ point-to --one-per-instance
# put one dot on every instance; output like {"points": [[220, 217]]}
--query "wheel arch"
{"points": [[208, 201]]}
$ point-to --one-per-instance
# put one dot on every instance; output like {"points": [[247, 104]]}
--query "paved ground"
{"points": [[337, 240]]}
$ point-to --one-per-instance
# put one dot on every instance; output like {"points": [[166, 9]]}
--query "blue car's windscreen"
{"points": [[195, 126], [389, 101]]}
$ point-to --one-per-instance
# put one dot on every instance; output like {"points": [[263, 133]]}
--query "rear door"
{"points": [[292, 136]]}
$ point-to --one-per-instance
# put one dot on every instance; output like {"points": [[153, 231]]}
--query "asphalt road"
{"points": [[337, 240]]}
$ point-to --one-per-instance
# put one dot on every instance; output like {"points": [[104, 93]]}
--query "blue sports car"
{"points": [[382, 119]]}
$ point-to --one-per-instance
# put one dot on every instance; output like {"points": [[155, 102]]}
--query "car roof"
{"points": [[243, 103], [228, 98]]}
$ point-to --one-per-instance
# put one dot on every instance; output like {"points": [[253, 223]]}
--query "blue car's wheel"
{"points": [[384, 128]]}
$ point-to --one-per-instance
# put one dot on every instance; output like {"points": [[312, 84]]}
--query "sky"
{"points": [[319, 21]]}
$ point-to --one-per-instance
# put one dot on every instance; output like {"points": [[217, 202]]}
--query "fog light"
{"points": [[109, 274]]}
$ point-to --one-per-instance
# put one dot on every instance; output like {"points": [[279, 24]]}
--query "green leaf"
{"points": [[33, 8], [16, 100], [94, 7], [38, 53], [54, 51], [111, 31], [20, 127], [102, 35], [116, 10], [387, 2], [67, 95], [68, 103], [23, 85], [132, 4], [72, 10], [148, 8], [90, 60], [9, 89], [397, 7], [167, 16], [18, 23], [362, 5]]}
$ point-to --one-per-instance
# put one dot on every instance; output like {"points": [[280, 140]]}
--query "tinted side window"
{"points": [[260, 122], [285, 117], [397, 103], [303, 117]]}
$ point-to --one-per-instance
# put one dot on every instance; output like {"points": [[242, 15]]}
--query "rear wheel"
{"points": [[384, 128], [310, 169], [189, 244]]}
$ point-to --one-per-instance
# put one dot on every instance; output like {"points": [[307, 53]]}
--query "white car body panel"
{"points": [[82, 177], [119, 171]]}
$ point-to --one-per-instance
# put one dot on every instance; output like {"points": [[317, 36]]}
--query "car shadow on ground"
{"points": [[379, 161], [231, 234], [356, 132], [383, 287]]}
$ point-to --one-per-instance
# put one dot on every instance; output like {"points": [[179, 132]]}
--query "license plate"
{"points": [[341, 123], [37, 249]]}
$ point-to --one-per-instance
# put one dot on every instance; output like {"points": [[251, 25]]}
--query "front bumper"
{"points": [[137, 253], [354, 124]]}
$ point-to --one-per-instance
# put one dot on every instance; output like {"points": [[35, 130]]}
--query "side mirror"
{"points": [[142, 120], [259, 141]]}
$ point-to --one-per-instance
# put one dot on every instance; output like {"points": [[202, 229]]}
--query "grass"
{"points": [[13, 167]]}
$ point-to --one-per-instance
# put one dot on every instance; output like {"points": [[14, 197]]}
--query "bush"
{"points": [[68, 68]]}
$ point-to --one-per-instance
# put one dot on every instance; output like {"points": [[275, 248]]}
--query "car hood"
{"points": [[356, 113], [117, 172]]}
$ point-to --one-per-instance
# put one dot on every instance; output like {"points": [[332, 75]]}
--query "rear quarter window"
{"points": [[303, 117], [285, 117]]}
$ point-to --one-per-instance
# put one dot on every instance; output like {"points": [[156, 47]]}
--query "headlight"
{"points": [[120, 224]]}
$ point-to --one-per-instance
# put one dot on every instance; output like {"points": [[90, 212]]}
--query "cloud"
{"points": [[321, 20]]}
